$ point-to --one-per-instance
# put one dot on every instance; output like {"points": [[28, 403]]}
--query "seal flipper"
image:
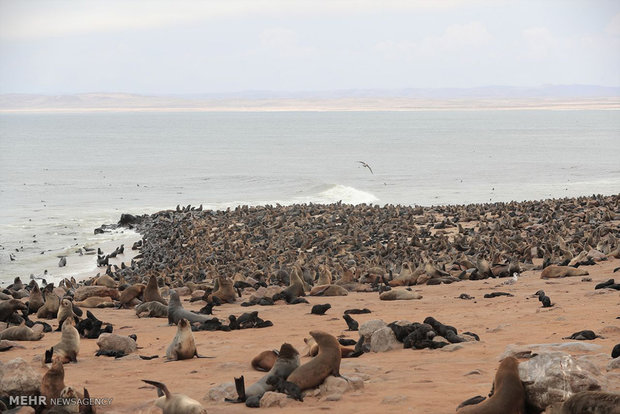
{"points": [[240, 386], [161, 388], [471, 401]]}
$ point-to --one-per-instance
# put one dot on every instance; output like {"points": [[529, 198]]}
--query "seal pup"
{"points": [[152, 310], [175, 403], [326, 363], [69, 346], [287, 362], [176, 311], [615, 352], [22, 333], [591, 402], [507, 395], [183, 345], [151, 293]]}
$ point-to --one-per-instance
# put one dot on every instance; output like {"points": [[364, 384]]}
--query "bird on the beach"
{"points": [[367, 166]]}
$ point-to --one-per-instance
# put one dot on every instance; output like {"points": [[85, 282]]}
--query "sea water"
{"points": [[64, 174]]}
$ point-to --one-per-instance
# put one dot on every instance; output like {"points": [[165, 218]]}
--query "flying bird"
{"points": [[367, 166]]}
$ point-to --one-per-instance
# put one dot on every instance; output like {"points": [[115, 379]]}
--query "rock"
{"points": [[6, 343], [525, 351], [84, 292], [383, 340], [596, 255], [613, 364], [225, 390], [273, 399], [17, 378], [334, 385], [452, 347], [368, 328], [610, 330], [262, 292], [114, 342], [551, 377]]}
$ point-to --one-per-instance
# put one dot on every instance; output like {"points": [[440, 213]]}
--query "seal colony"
{"points": [[279, 258]]}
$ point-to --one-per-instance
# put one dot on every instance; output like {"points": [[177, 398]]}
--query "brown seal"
{"points": [[175, 403], [131, 293], [507, 395], [96, 302], [35, 300], [325, 276], [53, 382], [398, 294], [183, 345], [7, 308], [49, 310], [225, 291], [313, 348], [152, 310], [22, 333], [106, 281], [554, 271], [328, 290], [65, 311], [69, 346], [265, 360], [326, 363], [592, 402], [151, 293], [286, 362]]}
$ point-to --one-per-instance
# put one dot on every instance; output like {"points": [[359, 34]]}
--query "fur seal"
{"points": [[152, 310], [328, 290], [175, 403], [131, 293], [183, 345], [326, 363], [224, 292], [22, 333], [615, 352], [286, 362], [507, 395], [554, 271], [65, 311], [397, 294], [49, 310], [7, 308], [325, 276], [69, 346], [35, 300], [106, 281], [176, 312], [591, 402], [320, 309], [265, 360], [151, 293], [96, 302], [53, 381]]}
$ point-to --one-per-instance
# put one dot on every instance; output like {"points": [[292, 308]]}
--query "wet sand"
{"points": [[417, 381]]}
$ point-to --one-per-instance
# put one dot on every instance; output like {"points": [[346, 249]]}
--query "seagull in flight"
{"points": [[367, 166]]}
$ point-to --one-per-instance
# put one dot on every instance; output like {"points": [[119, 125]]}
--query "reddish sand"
{"points": [[420, 381]]}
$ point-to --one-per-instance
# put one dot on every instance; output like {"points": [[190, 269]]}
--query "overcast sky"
{"points": [[162, 47]]}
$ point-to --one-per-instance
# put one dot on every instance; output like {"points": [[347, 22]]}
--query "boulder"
{"points": [[368, 328], [383, 340], [551, 377], [273, 399], [222, 391], [17, 378]]}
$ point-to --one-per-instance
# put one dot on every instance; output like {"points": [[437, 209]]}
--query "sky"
{"points": [[192, 47]]}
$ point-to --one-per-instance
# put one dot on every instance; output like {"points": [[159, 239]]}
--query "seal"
{"points": [[553, 271], [326, 363], [8, 307], [96, 302], [397, 294], [592, 402], [53, 382], [22, 333], [265, 360], [49, 310], [175, 403], [325, 276], [176, 312], [152, 310], [328, 290], [35, 301], [225, 292], [183, 345], [69, 346], [151, 293], [65, 311], [507, 395], [287, 362], [131, 293], [106, 281]]}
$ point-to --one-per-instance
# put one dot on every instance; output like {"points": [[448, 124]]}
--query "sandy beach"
{"points": [[418, 381]]}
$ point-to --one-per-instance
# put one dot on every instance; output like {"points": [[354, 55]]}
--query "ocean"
{"points": [[64, 174]]}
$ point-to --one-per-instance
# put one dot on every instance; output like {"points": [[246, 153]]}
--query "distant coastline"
{"points": [[487, 98]]}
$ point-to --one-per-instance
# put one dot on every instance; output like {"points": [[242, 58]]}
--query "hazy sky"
{"points": [[185, 47]]}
